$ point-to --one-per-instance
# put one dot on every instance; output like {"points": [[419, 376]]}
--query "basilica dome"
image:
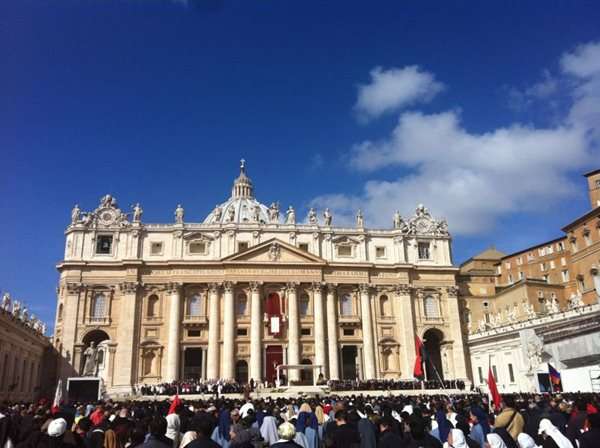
{"points": [[242, 206]]}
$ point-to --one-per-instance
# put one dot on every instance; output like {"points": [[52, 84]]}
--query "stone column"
{"points": [[456, 334], [406, 329], [228, 371], [71, 316], [126, 336], [367, 333], [256, 330], [319, 334], [332, 333], [174, 291], [293, 351], [212, 361]]}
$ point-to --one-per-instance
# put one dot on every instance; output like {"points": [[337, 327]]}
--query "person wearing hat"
{"points": [[56, 433], [286, 433]]}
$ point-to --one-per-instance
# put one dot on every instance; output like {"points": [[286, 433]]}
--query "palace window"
{"points": [[242, 304], [344, 250], [193, 333], [581, 283], [152, 310], [520, 275], [384, 306], [431, 307], [346, 305], [348, 331], [104, 244], [195, 305], [60, 311], [197, 247], [148, 363], [156, 248], [565, 275], [305, 331], [303, 305], [380, 252], [423, 251], [242, 332], [99, 306]]}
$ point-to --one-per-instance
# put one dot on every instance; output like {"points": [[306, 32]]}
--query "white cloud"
{"points": [[473, 179], [394, 89]]}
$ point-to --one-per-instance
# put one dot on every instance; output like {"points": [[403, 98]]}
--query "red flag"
{"points": [[57, 398], [496, 399], [174, 405], [418, 369]]}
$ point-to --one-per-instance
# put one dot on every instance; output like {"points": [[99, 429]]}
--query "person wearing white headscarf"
{"points": [[526, 441], [495, 441], [187, 438], [268, 430], [456, 439], [547, 429]]}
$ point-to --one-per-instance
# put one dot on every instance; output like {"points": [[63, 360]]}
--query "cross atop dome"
{"points": [[242, 186]]}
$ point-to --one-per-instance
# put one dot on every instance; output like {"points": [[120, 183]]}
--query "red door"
{"points": [[273, 357]]}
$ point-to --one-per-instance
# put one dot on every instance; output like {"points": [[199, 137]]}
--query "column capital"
{"points": [[129, 287], [331, 288], [452, 291], [173, 287], [403, 290], [73, 288], [365, 288], [228, 286], [317, 286], [255, 286], [291, 286], [213, 288]]}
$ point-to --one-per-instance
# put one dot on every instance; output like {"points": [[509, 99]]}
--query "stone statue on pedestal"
{"points": [[179, 213], [16, 309], [274, 213], [218, 213], [290, 215], [91, 360], [327, 217], [6, 301], [75, 214], [230, 214], [137, 212], [312, 216], [360, 222]]}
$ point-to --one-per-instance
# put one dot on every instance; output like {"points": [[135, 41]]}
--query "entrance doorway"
{"points": [[306, 375], [349, 355], [241, 372], [433, 339], [273, 357], [192, 363]]}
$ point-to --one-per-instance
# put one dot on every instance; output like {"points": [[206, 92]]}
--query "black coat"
{"points": [[390, 439]]}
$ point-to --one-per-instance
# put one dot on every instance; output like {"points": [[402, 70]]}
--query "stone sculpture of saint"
{"points": [[290, 215], [312, 216], [179, 213], [75, 214], [256, 213], [25, 314], [397, 219], [327, 217], [218, 213], [360, 222], [137, 212], [16, 309], [230, 214], [554, 306], [274, 213], [6, 301], [106, 201], [91, 359]]}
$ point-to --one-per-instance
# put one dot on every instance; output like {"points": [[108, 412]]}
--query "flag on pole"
{"points": [[494, 394], [57, 397], [418, 372], [554, 378], [174, 405]]}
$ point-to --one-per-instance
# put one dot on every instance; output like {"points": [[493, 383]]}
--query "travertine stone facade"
{"points": [[246, 290]]}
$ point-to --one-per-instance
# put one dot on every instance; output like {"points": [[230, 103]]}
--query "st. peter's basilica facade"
{"points": [[249, 289]]}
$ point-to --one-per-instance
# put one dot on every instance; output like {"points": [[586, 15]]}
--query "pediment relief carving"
{"points": [[345, 239], [198, 236], [274, 251]]}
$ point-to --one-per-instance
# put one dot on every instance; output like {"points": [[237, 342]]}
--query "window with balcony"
{"points": [[344, 250], [423, 248], [242, 304], [195, 306], [99, 306], [303, 304], [385, 306], [432, 310], [346, 305], [152, 309], [104, 244], [197, 247]]}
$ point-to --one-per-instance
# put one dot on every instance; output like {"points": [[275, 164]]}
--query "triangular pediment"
{"points": [[274, 251]]}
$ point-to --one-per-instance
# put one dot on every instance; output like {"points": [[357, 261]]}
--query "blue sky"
{"points": [[484, 111]]}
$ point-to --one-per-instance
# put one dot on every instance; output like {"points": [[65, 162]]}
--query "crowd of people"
{"points": [[356, 385], [190, 387], [453, 421]]}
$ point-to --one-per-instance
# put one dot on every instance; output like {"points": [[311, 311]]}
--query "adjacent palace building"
{"points": [[251, 288]]}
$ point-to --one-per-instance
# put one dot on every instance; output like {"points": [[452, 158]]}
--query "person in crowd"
{"points": [[481, 426], [526, 441], [552, 437], [306, 423], [343, 435], [494, 441], [419, 435], [509, 418], [156, 435], [388, 438], [202, 427], [576, 421], [286, 433], [591, 438]]}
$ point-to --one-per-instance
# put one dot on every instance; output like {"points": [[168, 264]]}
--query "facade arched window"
{"points": [[303, 305], [431, 307], [346, 305], [384, 306], [195, 306], [242, 304], [99, 306], [152, 310]]}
